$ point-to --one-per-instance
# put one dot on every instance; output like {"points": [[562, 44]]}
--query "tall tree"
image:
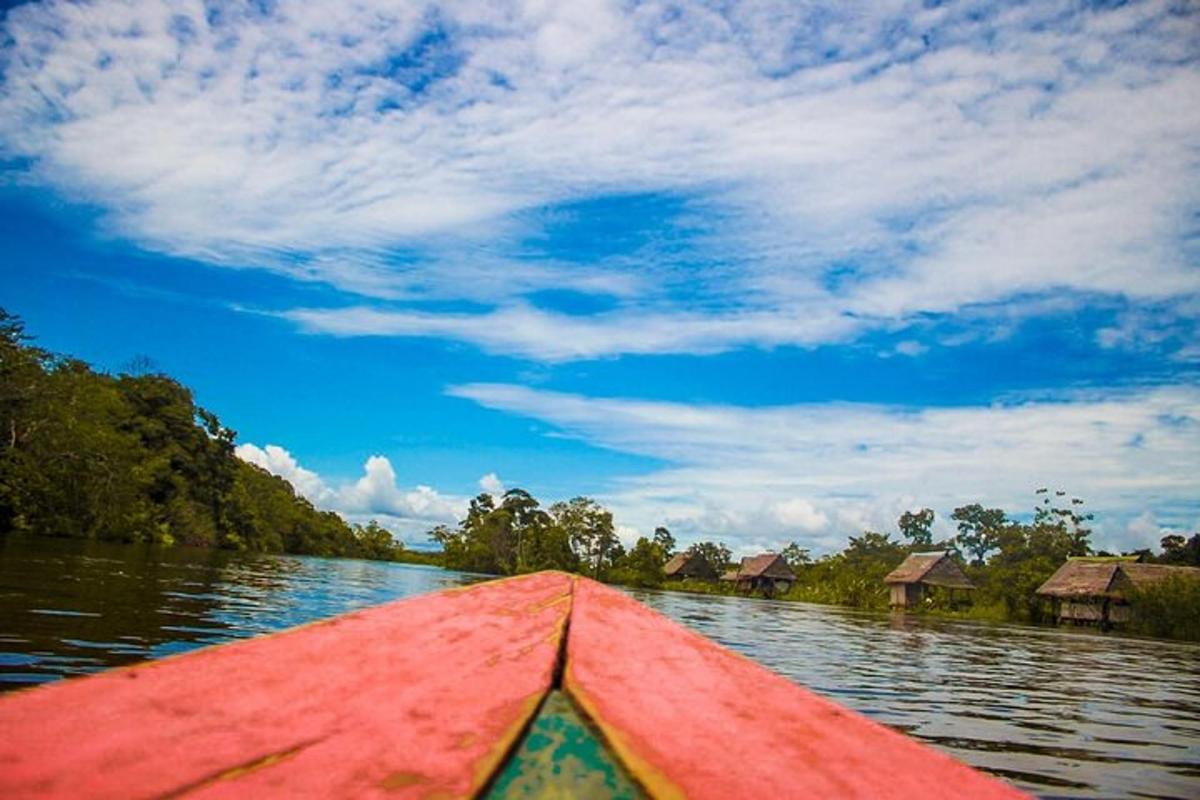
{"points": [[917, 527], [665, 541], [589, 527], [1184, 552], [796, 556], [1067, 516], [979, 529]]}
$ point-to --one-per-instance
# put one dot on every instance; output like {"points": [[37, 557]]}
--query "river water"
{"points": [[1059, 713]]}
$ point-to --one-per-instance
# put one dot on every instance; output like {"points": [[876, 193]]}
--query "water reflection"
{"points": [[1060, 713], [74, 607]]}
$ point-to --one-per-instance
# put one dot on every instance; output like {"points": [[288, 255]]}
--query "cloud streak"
{"points": [[850, 167]]}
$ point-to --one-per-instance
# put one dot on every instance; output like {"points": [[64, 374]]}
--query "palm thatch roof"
{"points": [[1141, 575], [1108, 577], [767, 565], [935, 569], [1081, 578], [688, 565]]}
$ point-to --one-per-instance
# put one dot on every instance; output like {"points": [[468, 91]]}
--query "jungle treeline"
{"points": [[132, 458], [514, 534], [1007, 559]]}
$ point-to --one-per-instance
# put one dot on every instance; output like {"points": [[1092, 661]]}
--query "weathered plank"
{"points": [[419, 698], [691, 719]]}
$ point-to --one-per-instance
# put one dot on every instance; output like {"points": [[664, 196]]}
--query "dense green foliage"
{"points": [[1169, 608], [853, 577], [517, 536], [132, 458], [513, 534], [1181, 552]]}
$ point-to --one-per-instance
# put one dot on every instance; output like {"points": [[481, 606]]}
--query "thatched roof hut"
{"points": [[689, 565], [908, 581], [1093, 589], [1083, 577], [768, 573]]}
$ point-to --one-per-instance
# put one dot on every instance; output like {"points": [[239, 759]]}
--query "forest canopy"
{"points": [[133, 458]]}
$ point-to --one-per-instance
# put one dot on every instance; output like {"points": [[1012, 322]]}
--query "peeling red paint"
{"points": [[692, 719], [417, 698], [425, 697]]}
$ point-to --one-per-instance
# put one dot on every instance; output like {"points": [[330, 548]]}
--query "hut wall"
{"points": [[1119, 612], [1082, 610], [906, 594]]}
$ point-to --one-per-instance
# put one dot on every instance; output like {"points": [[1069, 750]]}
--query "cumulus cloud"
{"points": [[375, 495], [278, 461], [492, 484], [1144, 531], [841, 166], [819, 472]]}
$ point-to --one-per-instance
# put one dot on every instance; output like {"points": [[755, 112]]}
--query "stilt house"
{"points": [[767, 573], [688, 565], [909, 581], [1095, 591]]}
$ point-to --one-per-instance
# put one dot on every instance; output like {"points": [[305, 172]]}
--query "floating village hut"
{"points": [[688, 565], [909, 581], [767, 573], [1095, 590]]}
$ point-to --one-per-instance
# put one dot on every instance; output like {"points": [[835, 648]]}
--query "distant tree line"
{"points": [[513, 534], [132, 458]]}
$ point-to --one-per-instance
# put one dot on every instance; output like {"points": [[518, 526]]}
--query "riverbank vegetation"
{"points": [[1007, 559], [132, 458], [1168, 609], [514, 534]]}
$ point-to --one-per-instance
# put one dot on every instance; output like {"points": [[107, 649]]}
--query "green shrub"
{"points": [[1168, 608]]}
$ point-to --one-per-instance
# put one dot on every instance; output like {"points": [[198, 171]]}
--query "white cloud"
{"points": [[376, 495], [376, 492], [550, 337], [628, 534], [278, 461], [492, 484], [1144, 531], [911, 348], [817, 473], [1046, 148], [800, 514]]}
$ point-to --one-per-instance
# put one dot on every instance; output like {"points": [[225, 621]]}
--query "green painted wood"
{"points": [[562, 757]]}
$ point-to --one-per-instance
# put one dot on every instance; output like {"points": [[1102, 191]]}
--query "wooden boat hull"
{"points": [[429, 697]]}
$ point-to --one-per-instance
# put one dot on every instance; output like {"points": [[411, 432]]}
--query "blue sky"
{"points": [[757, 271]]}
